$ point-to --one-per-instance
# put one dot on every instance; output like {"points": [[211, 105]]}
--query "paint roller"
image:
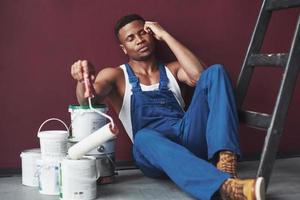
{"points": [[97, 138]]}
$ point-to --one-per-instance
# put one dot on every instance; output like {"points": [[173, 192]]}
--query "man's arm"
{"points": [[102, 84], [189, 67]]}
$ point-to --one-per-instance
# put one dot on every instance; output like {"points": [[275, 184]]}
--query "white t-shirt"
{"points": [[125, 112]]}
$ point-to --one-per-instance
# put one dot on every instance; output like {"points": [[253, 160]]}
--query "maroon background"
{"points": [[40, 39]]}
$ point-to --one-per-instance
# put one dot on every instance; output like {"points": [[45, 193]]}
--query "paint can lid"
{"points": [[75, 107], [54, 134], [49, 161], [36, 152]]}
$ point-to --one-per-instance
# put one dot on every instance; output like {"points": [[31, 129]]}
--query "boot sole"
{"points": [[260, 188]]}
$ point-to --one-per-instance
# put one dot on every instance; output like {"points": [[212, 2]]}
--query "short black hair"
{"points": [[126, 20]]}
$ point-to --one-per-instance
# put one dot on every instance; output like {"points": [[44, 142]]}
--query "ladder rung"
{"points": [[278, 59], [255, 119], [282, 4]]}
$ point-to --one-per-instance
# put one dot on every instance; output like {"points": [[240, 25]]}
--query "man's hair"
{"points": [[124, 21]]}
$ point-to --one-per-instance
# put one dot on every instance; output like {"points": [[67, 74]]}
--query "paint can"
{"points": [[85, 121], [28, 159], [53, 142], [78, 178], [48, 176]]}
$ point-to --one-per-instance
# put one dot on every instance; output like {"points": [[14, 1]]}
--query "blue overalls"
{"points": [[169, 141]]}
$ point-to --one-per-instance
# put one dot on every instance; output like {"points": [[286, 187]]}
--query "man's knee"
{"points": [[217, 68], [216, 71]]}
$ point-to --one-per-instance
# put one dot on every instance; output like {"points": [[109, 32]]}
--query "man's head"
{"points": [[123, 21], [134, 40]]}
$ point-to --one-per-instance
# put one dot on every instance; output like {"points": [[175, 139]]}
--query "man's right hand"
{"points": [[80, 68]]}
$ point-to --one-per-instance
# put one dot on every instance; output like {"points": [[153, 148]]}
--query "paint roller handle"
{"points": [[113, 128], [88, 86], [112, 124]]}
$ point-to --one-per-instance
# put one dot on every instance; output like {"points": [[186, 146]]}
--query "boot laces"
{"points": [[231, 190], [228, 163]]}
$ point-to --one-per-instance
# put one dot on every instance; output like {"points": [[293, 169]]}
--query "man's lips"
{"points": [[143, 48]]}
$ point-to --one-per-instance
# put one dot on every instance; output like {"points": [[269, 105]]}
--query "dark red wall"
{"points": [[40, 39]]}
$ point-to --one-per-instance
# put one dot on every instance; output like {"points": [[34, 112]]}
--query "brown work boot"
{"points": [[246, 189], [228, 163]]}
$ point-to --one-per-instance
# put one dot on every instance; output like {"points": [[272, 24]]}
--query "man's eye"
{"points": [[129, 39], [143, 32]]}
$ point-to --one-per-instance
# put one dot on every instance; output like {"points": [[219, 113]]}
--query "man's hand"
{"points": [[81, 68], [155, 29]]}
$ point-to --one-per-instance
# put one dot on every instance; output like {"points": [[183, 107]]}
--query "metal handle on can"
{"points": [[54, 119]]}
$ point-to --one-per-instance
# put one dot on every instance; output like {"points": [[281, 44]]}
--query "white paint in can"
{"points": [[29, 158], [78, 179], [48, 176], [54, 142], [85, 121]]}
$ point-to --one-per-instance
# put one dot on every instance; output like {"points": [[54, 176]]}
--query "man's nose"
{"points": [[139, 39]]}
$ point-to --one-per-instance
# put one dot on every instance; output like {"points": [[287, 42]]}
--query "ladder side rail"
{"points": [[281, 108], [253, 48]]}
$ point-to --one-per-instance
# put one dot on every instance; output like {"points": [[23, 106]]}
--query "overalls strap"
{"points": [[163, 83], [134, 81]]}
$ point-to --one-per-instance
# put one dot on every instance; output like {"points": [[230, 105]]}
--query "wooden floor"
{"points": [[132, 185]]}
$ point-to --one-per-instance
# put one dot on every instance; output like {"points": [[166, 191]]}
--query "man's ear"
{"points": [[123, 48]]}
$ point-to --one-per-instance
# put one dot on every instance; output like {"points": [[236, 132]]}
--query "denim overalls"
{"points": [[169, 141]]}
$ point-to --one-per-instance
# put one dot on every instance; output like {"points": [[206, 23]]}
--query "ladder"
{"points": [[290, 63]]}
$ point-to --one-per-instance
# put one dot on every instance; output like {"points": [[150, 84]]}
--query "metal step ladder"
{"points": [[290, 63]]}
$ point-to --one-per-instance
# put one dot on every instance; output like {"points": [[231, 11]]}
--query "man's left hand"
{"points": [[155, 29]]}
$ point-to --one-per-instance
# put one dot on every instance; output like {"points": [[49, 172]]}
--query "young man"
{"points": [[168, 141]]}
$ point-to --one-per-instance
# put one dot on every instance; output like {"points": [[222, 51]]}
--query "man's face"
{"points": [[135, 41]]}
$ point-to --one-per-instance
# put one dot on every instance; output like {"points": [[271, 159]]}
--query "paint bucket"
{"points": [[85, 121], [48, 176], [29, 158], [78, 178], [54, 142], [105, 164]]}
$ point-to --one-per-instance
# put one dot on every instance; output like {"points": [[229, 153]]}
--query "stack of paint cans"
{"points": [[53, 144], [55, 173], [84, 122]]}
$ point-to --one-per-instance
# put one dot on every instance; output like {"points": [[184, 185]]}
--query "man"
{"points": [[168, 141]]}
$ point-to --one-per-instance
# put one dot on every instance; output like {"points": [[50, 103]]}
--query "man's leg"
{"points": [[211, 120], [155, 154]]}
